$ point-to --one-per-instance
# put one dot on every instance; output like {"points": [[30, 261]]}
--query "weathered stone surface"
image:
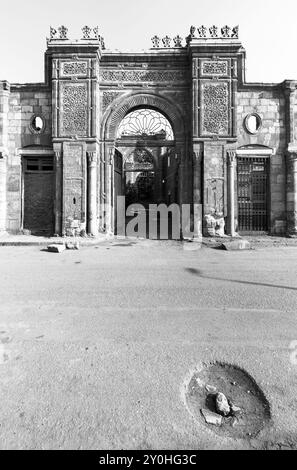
{"points": [[210, 389], [211, 418], [222, 405], [234, 408], [208, 101], [56, 248], [72, 245], [235, 245]]}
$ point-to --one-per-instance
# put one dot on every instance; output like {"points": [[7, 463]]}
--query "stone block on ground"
{"points": [[56, 248], [211, 418], [72, 245], [235, 245], [222, 405]]}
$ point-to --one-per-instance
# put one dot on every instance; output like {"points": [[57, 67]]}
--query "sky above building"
{"points": [[267, 30]]}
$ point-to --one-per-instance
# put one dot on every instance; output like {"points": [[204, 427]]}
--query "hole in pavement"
{"points": [[228, 401]]}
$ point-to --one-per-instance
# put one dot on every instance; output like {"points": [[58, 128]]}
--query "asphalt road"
{"points": [[96, 345]]}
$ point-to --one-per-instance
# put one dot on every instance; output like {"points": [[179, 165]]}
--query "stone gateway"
{"points": [[177, 123]]}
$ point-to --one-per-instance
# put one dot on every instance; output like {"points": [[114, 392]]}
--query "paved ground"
{"points": [[96, 344]]}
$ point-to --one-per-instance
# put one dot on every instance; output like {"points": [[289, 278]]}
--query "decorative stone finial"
{"points": [[86, 32], [102, 42], [166, 41], [235, 32], [63, 32], [177, 41], [156, 41], [53, 33], [225, 30], [213, 30], [192, 31], [202, 30], [96, 32]]}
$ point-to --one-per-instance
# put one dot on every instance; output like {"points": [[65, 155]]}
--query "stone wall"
{"points": [[24, 102], [269, 104]]}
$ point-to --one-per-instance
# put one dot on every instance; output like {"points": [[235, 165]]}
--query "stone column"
{"points": [[58, 192], [92, 193], [3, 173], [231, 154], [197, 190], [197, 173], [108, 188], [4, 109], [290, 92], [292, 193]]}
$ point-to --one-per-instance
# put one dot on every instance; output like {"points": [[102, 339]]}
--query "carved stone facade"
{"points": [[214, 157], [215, 108], [73, 109]]}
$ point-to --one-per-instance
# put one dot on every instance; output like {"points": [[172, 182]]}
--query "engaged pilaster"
{"points": [[231, 160], [92, 193], [292, 194], [58, 192]]}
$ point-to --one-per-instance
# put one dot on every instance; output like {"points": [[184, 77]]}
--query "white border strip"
{"points": [[258, 151]]}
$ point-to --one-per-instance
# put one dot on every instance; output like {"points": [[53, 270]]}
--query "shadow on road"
{"points": [[199, 273]]}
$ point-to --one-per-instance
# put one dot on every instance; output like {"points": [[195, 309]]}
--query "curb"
{"points": [[49, 242]]}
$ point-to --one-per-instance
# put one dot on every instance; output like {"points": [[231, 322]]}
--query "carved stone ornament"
{"points": [[63, 32], [92, 157], [156, 41], [235, 32], [214, 67], [213, 30], [86, 30], [102, 42], [192, 31], [225, 31], [231, 156], [96, 32], [53, 33], [166, 41], [74, 107], [215, 109], [202, 30], [108, 98], [142, 75], [74, 68], [177, 41]]}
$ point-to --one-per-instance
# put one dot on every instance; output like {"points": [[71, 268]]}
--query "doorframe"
{"points": [[253, 152], [30, 152]]}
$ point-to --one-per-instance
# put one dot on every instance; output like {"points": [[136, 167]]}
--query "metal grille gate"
{"points": [[252, 185]]}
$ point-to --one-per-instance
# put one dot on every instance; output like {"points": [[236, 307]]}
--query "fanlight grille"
{"points": [[145, 122]]}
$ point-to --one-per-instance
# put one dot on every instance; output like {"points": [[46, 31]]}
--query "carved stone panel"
{"points": [[73, 68], [108, 98], [217, 68], [74, 188], [73, 115], [214, 108], [142, 75]]}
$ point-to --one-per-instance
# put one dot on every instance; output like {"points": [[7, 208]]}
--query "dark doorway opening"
{"points": [[252, 191], [38, 207]]}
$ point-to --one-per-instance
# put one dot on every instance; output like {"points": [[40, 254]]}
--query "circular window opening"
{"points": [[37, 124], [252, 123]]}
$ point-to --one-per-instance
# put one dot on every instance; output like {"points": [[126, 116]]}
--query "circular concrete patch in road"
{"points": [[247, 410]]}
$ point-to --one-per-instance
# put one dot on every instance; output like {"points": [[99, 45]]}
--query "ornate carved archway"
{"points": [[116, 112]]}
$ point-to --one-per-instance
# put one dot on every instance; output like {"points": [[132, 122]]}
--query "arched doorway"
{"points": [[144, 139]]}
